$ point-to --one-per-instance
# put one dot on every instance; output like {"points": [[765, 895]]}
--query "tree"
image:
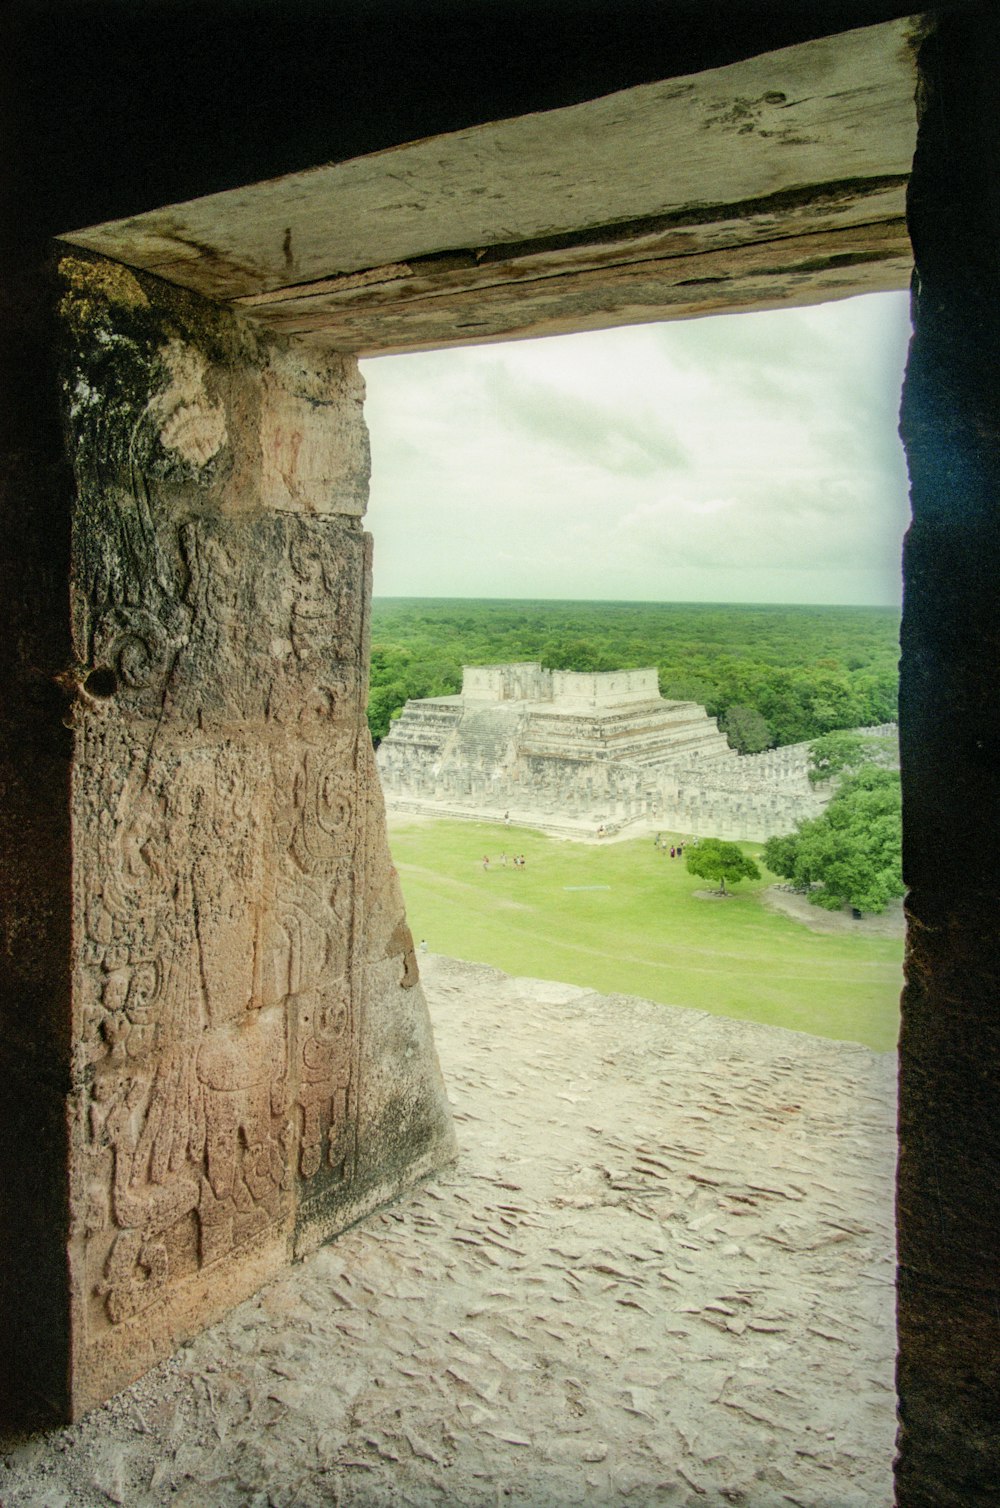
{"points": [[834, 753], [713, 859], [685, 688], [878, 693], [853, 851], [844, 753], [833, 702], [576, 654], [383, 701], [746, 729]]}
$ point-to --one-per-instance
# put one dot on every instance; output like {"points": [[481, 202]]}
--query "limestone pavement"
{"points": [[660, 1271]]}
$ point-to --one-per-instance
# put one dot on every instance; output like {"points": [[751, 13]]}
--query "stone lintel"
{"points": [[773, 181]]}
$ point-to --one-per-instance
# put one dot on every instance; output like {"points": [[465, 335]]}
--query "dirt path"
{"points": [[890, 923], [660, 1272]]}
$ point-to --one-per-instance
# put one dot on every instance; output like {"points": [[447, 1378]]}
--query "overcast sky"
{"points": [[748, 458]]}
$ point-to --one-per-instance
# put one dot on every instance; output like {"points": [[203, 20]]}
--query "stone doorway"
{"points": [[623, 257]]}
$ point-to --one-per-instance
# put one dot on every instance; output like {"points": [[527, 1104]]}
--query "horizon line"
{"points": [[634, 601]]}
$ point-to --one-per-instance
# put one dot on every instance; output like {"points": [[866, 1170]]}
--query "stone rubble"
{"points": [[661, 1271]]}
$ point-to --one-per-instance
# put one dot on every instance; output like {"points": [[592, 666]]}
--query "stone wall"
{"points": [[750, 798], [949, 1163], [605, 688], [248, 1060], [525, 681]]}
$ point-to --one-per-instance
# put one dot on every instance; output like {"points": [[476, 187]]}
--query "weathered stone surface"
{"points": [[660, 1272], [313, 445], [250, 1065], [784, 185], [949, 1188]]}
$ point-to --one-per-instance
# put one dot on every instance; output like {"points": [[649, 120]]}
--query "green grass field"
{"points": [[645, 934]]}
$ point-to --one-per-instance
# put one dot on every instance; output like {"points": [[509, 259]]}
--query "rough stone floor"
{"points": [[660, 1272]]}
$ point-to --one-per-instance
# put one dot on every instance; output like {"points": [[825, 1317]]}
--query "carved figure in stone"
{"points": [[322, 576], [242, 1076], [218, 919], [128, 1010], [221, 677], [325, 602], [307, 934], [223, 800], [325, 1074], [306, 962], [150, 1193], [323, 805], [191, 1084]]}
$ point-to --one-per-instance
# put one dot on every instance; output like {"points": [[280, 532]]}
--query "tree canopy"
{"points": [[801, 670], [853, 850], [714, 859], [745, 729], [833, 753], [845, 751]]}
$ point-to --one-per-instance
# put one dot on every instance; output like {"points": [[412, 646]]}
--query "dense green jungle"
{"points": [[772, 675]]}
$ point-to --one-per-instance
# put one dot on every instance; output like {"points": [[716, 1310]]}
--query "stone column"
{"points": [[949, 1172], [236, 1062]]}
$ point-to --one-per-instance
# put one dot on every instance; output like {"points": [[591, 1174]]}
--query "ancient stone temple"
{"points": [[212, 1050], [587, 751]]}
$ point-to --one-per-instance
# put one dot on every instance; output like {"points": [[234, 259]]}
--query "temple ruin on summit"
{"points": [[582, 751]]}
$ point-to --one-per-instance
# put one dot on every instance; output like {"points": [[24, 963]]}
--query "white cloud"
{"points": [[742, 458]]}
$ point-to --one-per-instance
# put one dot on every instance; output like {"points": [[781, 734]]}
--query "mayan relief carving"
{"points": [[188, 1104], [275, 605], [223, 1020], [222, 791], [314, 447], [308, 967]]}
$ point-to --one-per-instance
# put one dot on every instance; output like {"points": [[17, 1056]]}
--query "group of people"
{"points": [[676, 849], [518, 861]]}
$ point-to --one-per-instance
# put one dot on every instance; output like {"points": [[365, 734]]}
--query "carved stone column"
{"points": [[949, 1173], [242, 1065]]}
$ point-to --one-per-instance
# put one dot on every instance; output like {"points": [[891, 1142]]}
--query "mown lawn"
{"points": [[645, 934]]}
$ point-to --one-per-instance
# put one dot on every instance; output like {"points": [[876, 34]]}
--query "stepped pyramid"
{"points": [[550, 746]]}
